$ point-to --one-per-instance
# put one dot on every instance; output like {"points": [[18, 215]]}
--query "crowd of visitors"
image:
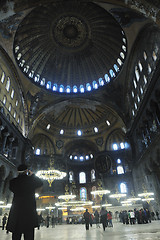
{"points": [[103, 217], [140, 216]]}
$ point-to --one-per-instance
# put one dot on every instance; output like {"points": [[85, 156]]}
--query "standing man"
{"points": [[23, 215], [86, 216]]}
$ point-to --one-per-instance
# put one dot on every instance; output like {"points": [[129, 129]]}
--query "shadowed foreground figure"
{"points": [[23, 216]]}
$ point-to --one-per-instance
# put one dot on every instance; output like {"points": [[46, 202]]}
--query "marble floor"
{"points": [[78, 232]]}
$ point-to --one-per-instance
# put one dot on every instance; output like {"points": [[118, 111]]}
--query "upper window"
{"points": [[8, 84], [123, 188], [120, 170], [93, 175], [82, 177]]}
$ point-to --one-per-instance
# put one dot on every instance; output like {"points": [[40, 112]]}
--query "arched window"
{"points": [[82, 177], [93, 175], [83, 194], [71, 177], [8, 84], [12, 94], [3, 77], [120, 170], [123, 188], [38, 151]]}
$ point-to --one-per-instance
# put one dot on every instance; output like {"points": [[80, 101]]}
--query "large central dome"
{"points": [[70, 47]]}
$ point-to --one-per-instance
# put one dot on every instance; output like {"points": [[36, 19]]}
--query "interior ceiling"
{"points": [[73, 49], [69, 45]]}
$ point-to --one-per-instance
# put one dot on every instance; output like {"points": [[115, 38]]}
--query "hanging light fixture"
{"points": [[51, 174]]}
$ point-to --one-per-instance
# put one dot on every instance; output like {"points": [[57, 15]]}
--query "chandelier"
{"points": [[51, 174], [100, 193], [67, 197], [117, 195]]}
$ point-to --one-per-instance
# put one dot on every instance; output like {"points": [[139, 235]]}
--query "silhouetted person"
{"points": [[86, 216], [4, 220], [23, 215]]}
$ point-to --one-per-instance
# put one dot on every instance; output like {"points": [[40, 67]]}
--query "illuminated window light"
{"points": [[116, 68], [145, 79], [12, 93], [48, 86], [141, 90], [81, 158], [95, 129], [26, 68], [48, 126], [138, 98], [124, 48], [36, 78], [95, 85], [140, 66], [61, 132], [54, 87], [154, 56], [87, 157], [71, 157], [122, 145], [2, 77], [122, 55], [31, 74], [132, 94], [124, 40], [101, 82], [119, 61], [61, 88], [108, 123], [16, 103], [38, 151], [19, 56], [107, 78], [4, 100], [149, 69], [75, 157], [16, 49], [81, 88], [68, 89], [42, 82], [75, 90], [91, 155], [10, 107], [118, 161], [123, 188], [135, 105], [88, 87], [115, 146], [120, 170], [112, 74], [145, 56], [135, 84], [133, 113], [79, 132]]}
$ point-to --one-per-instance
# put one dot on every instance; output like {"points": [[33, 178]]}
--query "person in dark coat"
{"points": [[4, 220], [86, 216], [23, 215], [103, 216]]}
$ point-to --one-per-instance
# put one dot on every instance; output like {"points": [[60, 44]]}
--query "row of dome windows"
{"points": [[115, 147], [139, 83], [75, 89], [79, 132]]}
